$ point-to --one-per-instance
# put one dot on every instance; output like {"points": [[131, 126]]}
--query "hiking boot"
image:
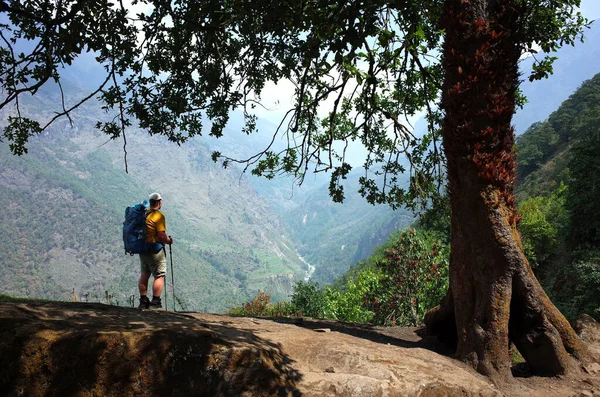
{"points": [[155, 304], [144, 303]]}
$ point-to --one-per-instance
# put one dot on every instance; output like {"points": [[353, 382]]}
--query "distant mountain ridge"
{"points": [[573, 66]]}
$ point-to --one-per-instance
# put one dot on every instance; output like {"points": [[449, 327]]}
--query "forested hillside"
{"points": [[333, 236], [65, 203], [559, 184], [543, 150]]}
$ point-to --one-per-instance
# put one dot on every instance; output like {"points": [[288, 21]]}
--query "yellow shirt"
{"points": [[155, 222]]}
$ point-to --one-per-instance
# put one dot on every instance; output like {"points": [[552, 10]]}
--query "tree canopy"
{"points": [[360, 70]]}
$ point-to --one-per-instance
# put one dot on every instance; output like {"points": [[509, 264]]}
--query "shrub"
{"points": [[349, 305], [414, 279], [261, 306], [544, 220], [309, 299], [575, 288]]}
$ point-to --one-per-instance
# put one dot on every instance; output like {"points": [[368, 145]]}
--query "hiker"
{"points": [[154, 264]]}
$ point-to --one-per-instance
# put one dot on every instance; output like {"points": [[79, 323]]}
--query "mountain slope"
{"points": [[543, 150], [230, 241], [65, 211], [558, 181], [332, 236]]}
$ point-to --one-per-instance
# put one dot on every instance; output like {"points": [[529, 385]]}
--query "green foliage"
{"points": [[535, 146], [515, 355], [62, 32], [572, 120], [261, 305], [560, 170], [544, 150], [8, 298], [349, 305], [436, 219], [375, 294], [575, 287], [544, 221], [414, 280], [377, 255], [309, 299], [332, 303], [584, 188]]}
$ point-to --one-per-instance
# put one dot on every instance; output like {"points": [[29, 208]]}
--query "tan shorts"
{"points": [[156, 264]]}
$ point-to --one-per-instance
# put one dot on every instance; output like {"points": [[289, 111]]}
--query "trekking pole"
{"points": [[166, 294], [172, 277]]}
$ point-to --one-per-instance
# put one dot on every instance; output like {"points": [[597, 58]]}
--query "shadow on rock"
{"points": [[64, 349], [405, 337]]}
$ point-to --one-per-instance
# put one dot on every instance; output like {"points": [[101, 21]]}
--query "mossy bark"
{"points": [[494, 297]]}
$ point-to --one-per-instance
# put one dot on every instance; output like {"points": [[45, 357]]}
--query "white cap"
{"points": [[155, 197]]}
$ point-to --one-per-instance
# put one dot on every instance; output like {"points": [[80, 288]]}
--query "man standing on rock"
{"points": [[154, 263]]}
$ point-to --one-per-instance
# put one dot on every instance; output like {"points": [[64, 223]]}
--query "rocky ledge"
{"points": [[87, 349]]}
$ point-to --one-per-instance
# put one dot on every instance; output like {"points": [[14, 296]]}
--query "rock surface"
{"points": [[587, 328], [85, 349]]}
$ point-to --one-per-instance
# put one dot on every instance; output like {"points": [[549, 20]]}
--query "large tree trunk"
{"points": [[494, 297]]}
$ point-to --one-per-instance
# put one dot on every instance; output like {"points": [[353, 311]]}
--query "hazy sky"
{"points": [[591, 9]]}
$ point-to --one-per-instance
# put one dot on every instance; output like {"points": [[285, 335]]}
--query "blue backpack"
{"points": [[134, 230]]}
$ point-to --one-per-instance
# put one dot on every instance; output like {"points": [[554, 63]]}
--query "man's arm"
{"points": [[161, 237]]}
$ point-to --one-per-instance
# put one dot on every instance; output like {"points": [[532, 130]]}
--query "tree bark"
{"points": [[494, 297]]}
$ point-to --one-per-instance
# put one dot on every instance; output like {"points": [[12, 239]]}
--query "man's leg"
{"points": [[157, 286], [143, 288], [158, 271], [143, 283]]}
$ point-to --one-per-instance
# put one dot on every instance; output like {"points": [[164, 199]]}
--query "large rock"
{"points": [[588, 330], [77, 349]]}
